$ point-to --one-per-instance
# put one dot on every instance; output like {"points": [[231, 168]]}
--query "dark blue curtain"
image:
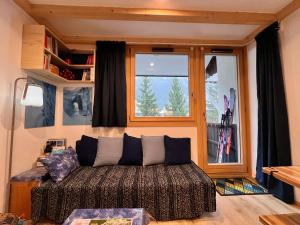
{"points": [[110, 85], [273, 129]]}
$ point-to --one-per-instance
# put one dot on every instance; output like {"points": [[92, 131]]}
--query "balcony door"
{"points": [[223, 121]]}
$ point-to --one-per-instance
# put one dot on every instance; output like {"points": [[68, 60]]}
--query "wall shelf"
{"points": [[58, 61], [54, 77], [38, 55]]}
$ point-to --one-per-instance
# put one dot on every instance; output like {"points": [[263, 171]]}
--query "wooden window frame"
{"points": [[226, 169], [133, 120]]}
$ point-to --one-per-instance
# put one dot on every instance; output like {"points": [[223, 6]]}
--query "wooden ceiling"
{"points": [[47, 14]]}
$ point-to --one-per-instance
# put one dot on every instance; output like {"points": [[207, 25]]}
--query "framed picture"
{"points": [[77, 106], [43, 116], [55, 144]]}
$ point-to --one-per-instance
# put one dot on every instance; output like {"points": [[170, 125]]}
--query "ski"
{"points": [[232, 100], [226, 129], [221, 143]]}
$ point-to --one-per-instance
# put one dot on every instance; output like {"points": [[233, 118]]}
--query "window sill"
{"points": [[134, 123]]}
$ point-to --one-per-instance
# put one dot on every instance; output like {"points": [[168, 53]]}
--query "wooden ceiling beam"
{"points": [[41, 13], [91, 40], [155, 15], [289, 9], [282, 14], [27, 7]]}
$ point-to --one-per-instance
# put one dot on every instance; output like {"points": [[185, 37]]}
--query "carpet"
{"points": [[238, 186]]}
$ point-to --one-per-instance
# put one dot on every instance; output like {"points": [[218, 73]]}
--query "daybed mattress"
{"points": [[166, 192]]}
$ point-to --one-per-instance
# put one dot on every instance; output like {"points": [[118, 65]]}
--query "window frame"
{"points": [[134, 120], [230, 169]]}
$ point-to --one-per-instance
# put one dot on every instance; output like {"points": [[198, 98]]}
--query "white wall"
{"points": [[290, 47], [12, 19], [290, 44]]}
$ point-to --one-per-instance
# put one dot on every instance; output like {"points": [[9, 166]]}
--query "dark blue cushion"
{"points": [[132, 151], [87, 150], [177, 150]]}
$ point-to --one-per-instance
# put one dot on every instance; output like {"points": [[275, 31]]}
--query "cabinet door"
{"points": [[20, 198]]}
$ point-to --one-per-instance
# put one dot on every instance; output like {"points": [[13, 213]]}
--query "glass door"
{"points": [[224, 145], [222, 109]]}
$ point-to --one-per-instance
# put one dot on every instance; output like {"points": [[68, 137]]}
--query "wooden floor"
{"points": [[236, 210], [239, 210]]}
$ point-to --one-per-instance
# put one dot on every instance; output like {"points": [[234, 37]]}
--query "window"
{"points": [[161, 84]]}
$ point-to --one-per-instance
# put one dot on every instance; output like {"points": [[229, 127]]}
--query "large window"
{"points": [[162, 86]]}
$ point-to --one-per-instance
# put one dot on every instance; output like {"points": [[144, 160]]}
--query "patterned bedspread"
{"points": [[166, 192]]}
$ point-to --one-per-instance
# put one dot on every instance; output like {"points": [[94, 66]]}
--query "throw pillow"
{"points": [[178, 150], [87, 150], [109, 151], [60, 165], [132, 151], [153, 150]]}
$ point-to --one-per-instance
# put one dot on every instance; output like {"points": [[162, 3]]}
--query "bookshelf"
{"points": [[46, 55]]}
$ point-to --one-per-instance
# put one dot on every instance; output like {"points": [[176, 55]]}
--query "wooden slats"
{"points": [[41, 13], [91, 40], [157, 15]]}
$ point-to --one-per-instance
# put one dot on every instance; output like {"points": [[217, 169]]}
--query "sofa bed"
{"points": [[167, 191]]}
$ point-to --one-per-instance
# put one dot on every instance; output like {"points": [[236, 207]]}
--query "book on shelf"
{"points": [[86, 75], [51, 44], [55, 47], [90, 60], [54, 69], [47, 60], [48, 42]]}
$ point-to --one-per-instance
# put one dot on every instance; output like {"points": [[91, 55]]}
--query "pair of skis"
{"points": [[226, 129]]}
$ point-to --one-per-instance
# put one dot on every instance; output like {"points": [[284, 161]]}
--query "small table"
{"points": [[20, 191], [138, 215], [289, 175]]}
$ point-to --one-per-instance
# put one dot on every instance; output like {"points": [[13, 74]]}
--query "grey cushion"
{"points": [[153, 150], [109, 151]]}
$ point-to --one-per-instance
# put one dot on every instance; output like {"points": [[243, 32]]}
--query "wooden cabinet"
{"points": [[43, 50], [20, 197]]}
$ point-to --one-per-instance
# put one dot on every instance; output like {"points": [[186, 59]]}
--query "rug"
{"points": [[238, 186]]}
